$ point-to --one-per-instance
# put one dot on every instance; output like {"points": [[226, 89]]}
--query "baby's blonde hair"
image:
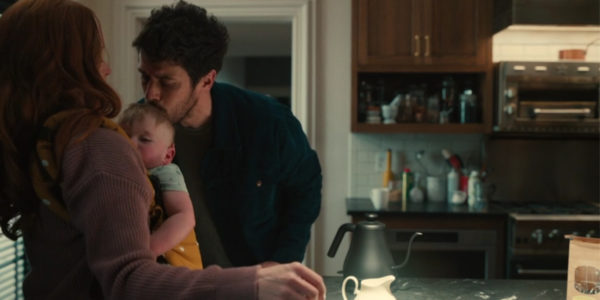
{"points": [[138, 111]]}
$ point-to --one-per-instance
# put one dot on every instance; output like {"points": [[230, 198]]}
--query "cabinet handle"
{"points": [[417, 45], [427, 46], [523, 271]]}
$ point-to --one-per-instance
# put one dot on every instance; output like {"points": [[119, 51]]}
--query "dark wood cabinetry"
{"points": [[406, 32], [423, 37]]}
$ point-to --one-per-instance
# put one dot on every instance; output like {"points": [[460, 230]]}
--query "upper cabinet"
{"points": [[422, 34], [422, 66]]}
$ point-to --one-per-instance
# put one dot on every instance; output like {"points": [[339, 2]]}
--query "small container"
{"points": [[447, 99], [452, 184], [572, 54], [468, 106], [407, 185], [474, 185], [436, 189], [433, 109]]}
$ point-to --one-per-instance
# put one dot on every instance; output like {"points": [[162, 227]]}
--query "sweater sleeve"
{"points": [[107, 196]]}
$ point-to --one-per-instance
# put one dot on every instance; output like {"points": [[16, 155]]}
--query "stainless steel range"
{"points": [[536, 244]]}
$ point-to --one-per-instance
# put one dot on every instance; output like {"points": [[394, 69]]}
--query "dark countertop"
{"points": [[464, 289], [359, 206]]}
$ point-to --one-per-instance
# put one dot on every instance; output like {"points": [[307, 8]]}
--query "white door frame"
{"points": [[129, 15]]}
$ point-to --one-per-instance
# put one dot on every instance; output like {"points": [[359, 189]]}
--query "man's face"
{"points": [[169, 86], [154, 141]]}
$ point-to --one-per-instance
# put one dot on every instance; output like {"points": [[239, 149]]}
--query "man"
{"points": [[254, 180]]}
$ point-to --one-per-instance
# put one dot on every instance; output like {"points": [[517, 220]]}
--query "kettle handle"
{"points": [[344, 286], [338, 238]]}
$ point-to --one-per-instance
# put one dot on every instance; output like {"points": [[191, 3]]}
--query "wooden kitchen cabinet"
{"points": [[422, 33], [410, 39]]}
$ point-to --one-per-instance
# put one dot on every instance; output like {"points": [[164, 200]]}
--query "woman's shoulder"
{"points": [[103, 150]]}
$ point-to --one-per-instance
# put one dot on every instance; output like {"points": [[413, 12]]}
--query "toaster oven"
{"points": [[547, 98]]}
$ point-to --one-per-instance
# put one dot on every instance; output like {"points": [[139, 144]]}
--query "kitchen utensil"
{"points": [[453, 160], [369, 255], [388, 176], [371, 289], [419, 157]]}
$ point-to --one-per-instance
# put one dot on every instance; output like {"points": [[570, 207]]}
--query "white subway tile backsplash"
{"points": [[364, 192], [404, 147], [365, 156]]}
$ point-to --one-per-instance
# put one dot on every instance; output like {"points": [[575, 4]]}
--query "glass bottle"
{"points": [[448, 103]]}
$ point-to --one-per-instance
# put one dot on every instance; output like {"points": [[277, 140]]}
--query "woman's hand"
{"points": [[289, 281]]}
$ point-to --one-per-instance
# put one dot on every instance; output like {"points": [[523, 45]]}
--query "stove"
{"points": [[551, 208], [537, 248]]}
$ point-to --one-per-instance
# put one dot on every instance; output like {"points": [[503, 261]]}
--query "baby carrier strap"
{"points": [[45, 164]]}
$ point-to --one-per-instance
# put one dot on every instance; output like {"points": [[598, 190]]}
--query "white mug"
{"points": [[380, 198], [436, 189]]}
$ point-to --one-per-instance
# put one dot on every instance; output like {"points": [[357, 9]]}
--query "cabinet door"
{"points": [[457, 32], [386, 31]]}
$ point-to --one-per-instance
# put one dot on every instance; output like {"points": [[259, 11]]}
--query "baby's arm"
{"points": [[178, 224]]}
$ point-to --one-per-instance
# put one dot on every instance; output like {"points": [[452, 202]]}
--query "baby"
{"points": [[152, 134]]}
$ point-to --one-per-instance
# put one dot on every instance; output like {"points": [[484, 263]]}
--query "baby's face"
{"points": [[153, 141]]}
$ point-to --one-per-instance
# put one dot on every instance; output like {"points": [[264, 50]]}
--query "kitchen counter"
{"points": [[464, 289], [359, 206]]}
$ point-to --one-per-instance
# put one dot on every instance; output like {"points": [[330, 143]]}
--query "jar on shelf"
{"points": [[448, 102]]}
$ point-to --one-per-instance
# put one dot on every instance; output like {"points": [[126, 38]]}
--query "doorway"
{"points": [[259, 58]]}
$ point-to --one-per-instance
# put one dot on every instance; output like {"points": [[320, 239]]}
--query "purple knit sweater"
{"points": [[104, 253]]}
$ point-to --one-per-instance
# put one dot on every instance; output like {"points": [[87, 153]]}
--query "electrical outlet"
{"points": [[380, 161]]}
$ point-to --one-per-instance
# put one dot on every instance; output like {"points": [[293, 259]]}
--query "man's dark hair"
{"points": [[185, 34]]}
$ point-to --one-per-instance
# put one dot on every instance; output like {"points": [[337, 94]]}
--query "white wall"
{"points": [[333, 126]]}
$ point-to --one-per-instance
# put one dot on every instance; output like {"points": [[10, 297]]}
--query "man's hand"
{"points": [[289, 281]]}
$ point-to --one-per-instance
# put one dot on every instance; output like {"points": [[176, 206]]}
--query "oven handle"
{"points": [[523, 271], [561, 111]]}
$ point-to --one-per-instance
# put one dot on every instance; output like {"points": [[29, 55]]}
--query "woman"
{"points": [[98, 245]]}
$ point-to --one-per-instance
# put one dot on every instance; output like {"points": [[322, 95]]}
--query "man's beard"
{"points": [[182, 110]]}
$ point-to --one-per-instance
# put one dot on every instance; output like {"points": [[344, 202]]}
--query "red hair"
{"points": [[51, 51]]}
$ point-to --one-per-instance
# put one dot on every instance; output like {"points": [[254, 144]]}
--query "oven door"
{"points": [[537, 248], [538, 267], [446, 253]]}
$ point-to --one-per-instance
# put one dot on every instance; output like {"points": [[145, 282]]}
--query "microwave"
{"points": [[547, 98]]}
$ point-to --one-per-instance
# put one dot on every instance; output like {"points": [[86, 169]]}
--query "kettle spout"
{"points": [[410, 241]]}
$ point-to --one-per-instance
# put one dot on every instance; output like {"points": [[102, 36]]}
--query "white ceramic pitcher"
{"points": [[371, 288]]}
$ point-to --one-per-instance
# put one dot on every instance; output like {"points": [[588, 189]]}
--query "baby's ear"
{"points": [[169, 155]]}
